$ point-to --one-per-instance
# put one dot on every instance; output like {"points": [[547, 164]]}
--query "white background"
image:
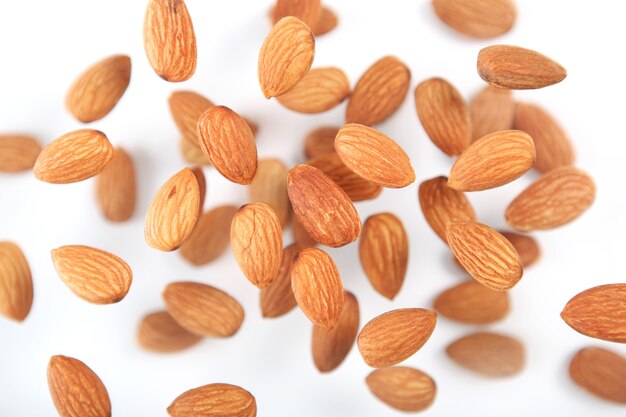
{"points": [[45, 44]]}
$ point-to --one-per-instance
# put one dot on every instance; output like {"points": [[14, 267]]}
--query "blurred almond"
{"points": [[403, 388], [319, 90], [269, 186], [192, 153], [214, 400], [186, 107], [116, 187], [320, 141], [16, 282], [210, 236], [489, 354], [199, 174], [600, 372], [300, 235], [492, 110], [277, 299], [472, 303], [306, 10], [526, 246], [19, 152], [326, 22], [477, 18], [159, 332]]}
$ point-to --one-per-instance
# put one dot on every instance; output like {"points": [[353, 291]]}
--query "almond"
{"points": [[210, 236], [202, 309], [97, 90], [600, 372], [489, 354], [491, 110], [76, 390], [159, 332], [186, 107], [485, 254], [214, 400], [227, 140], [317, 286], [599, 312], [286, 56], [169, 40], [326, 22], [403, 388], [192, 153], [16, 282], [379, 92], [116, 187], [19, 152], [472, 303], [492, 161], [199, 174], [526, 246], [323, 208], [444, 114], [74, 157], [395, 336], [478, 18], [300, 234], [518, 68], [94, 275], [374, 156], [556, 198], [306, 10], [320, 141], [269, 186], [319, 90], [277, 298], [331, 346]]}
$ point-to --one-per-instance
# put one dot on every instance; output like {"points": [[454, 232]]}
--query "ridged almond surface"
{"points": [[379, 92], [173, 212], [317, 286], [492, 161], [331, 346], [214, 400], [116, 187], [403, 388], [159, 332], [526, 246], [210, 236], [489, 354], [600, 372], [319, 90], [306, 10], [477, 18], [202, 309], [396, 335], [16, 282], [485, 254], [227, 140], [492, 110], [19, 152], [169, 40], [444, 114], [199, 174], [74, 157], [277, 298], [269, 186], [518, 68], [300, 235], [599, 312], [192, 153], [186, 107], [94, 275], [556, 198], [323, 209], [97, 90], [472, 303], [286, 56], [76, 390], [320, 141], [326, 22]]}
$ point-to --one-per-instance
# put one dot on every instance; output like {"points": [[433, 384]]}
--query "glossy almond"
{"points": [[319, 90], [214, 400], [210, 236], [19, 152], [320, 141], [555, 199], [16, 282], [116, 187], [269, 186], [159, 332], [326, 22], [395, 336], [306, 10], [472, 303], [477, 18], [526, 246], [492, 110], [186, 107], [600, 372], [277, 299], [403, 388], [300, 235], [489, 354]]}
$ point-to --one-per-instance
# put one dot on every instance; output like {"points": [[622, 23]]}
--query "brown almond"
{"points": [[210, 236], [192, 153], [19, 152], [277, 299], [300, 235], [526, 246], [199, 174], [326, 22], [159, 332], [600, 372], [472, 303], [254, 128], [16, 282], [214, 400], [556, 198], [403, 388], [306, 10], [319, 90], [396, 335], [269, 186], [492, 110], [320, 141], [518, 68], [116, 187], [480, 19], [186, 107]]}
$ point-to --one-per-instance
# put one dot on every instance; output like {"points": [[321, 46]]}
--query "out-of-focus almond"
{"points": [[186, 107], [472, 303], [19, 152], [277, 298], [210, 236], [600, 372], [306, 10], [319, 90], [116, 187], [326, 21], [492, 110], [159, 332], [477, 18], [214, 400], [526, 246], [403, 388], [199, 174], [300, 235], [320, 141], [192, 153], [16, 282], [269, 186]]}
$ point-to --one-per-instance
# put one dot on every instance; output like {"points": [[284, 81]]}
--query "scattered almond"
{"points": [[600, 372], [319, 90], [277, 299], [403, 388], [306, 10], [300, 234], [186, 107], [492, 110], [472, 303], [526, 246], [477, 18], [16, 282], [199, 174], [116, 187], [192, 153], [19, 152], [269, 186], [320, 141], [326, 22], [214, 400], [159, 332], [210, 236]]}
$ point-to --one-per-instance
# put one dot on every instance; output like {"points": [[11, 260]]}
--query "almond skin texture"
{"points": [[326, 22], [174, 211], [257, 241], [16, 282], [472, 303], [374, 156], [94, 275], [210, 236], [186, 107], [228, 142], [379, 92], [269, 186], [444, 114], [214, 400], [317, 287], [516, 68], [76, 390], [306, 10], [493, 161], [441, 205], [19, 152], [300, 234], [202, 309], [319, 90], [97, 90], [116, 187], [395, 336], [169, 40], [492, 110], [286, 56], [600, 372], [199, 174], [320, 141], [403, 388], [485, 254], [331, 346], [526, 246], [159, 332], [489, 354], [323, 208], [74, 157], [554, 148], [277, 299], [599, 312], [480, 19], [555, 199]]}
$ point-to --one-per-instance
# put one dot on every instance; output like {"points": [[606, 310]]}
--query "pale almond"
{"points": [[492, 110], [319, 90], [403, 388], [277, 299], [116, 187], [210, 236], [472, 303], [480, 19], [19, 152], [159, 332], [16, 282], [320, 141], [600, 372], [214, 400], [269, 186]]}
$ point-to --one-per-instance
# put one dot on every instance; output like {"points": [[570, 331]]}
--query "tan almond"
{"points": [[199, 174], [116, 187], [556, 198], [277, 299], [379, 92], [169, 40], [480, 19], [269, 186], [97, 90], [159, 332], [186, 107], [396, 335], [214, 400], [19, 152], [210, 236], [16, 282], [192, 153], [286, 56], [76, 390], [74, 157], [326, 22], [403, 388], [202, 309], [472, 303], [320, 141], [300, 235], [526, 246], [518, 68], [444, 114], [492, 110], [306, 10], [319, 90], [600, 372]]}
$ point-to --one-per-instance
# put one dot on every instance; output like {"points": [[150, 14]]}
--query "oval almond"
{"points": [[116, 187], [600, 372], [277, 299], [192, 153], [214, 400], [19, 152], [472, 303], [319, 90], [492, 110], [210, 236], [320, 141], [159, 332], [186, 107], [403, 388], [306, 10], [300, 235], [16, 282], [480, 19], [326, 22], [526, 246], [269, 186]]}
